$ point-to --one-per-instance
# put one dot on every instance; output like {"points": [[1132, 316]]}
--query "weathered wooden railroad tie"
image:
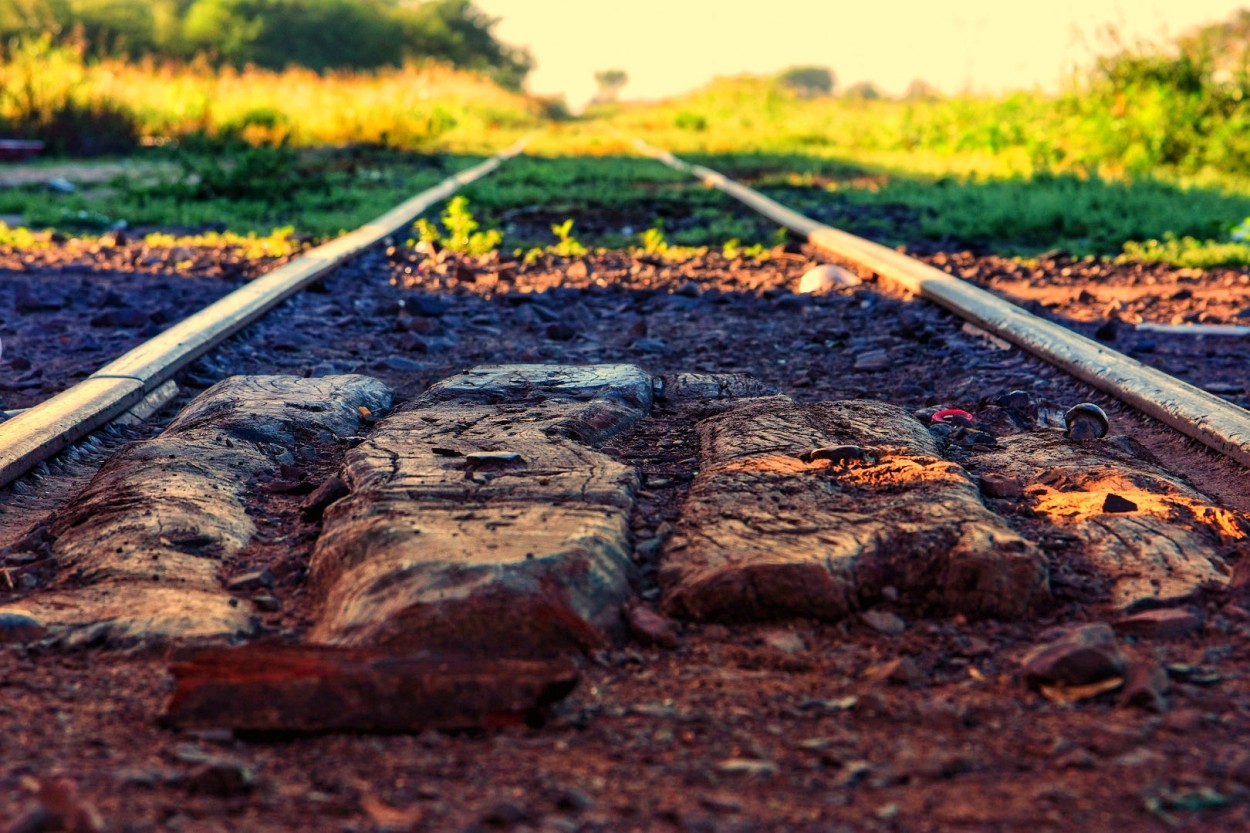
{"points": [[476, 543]]}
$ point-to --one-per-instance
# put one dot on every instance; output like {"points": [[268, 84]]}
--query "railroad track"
{"points": [[400, 512]]}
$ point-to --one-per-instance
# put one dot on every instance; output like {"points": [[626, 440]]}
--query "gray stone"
{"points": [[18, 625]]}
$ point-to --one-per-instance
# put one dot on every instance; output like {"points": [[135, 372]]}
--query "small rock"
{"points": [[650, 345], [1079, 656], [251, 580], [1001, 486], [721, 803], [899, 671], [790, 302], [428, 305], [314, 506], [560, 331], [1145, 683], [746, 766], [126, 317], [222, 777], [400, 363], [58, 807], [18, 625], [872, 360], [689, 289], [884, 621], [1161, 623], [1115, 503], [266, 602], [505, 814], [570, 799], [1108, 330], [650, 628], [827, 276], [787, 642]]}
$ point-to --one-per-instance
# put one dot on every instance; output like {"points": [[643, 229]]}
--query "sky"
{"points": [[670, 46]]}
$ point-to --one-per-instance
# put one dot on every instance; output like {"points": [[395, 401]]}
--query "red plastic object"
{"points": [[954, 416]]}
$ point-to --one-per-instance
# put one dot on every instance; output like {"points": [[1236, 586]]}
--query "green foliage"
{"points": [[653, 242], [43, 96], [1188, 252], [808, 81], [460, 231], [275, 33], [318, 34], [610, 82], [228, 168], [22, 238], [566, 245]]}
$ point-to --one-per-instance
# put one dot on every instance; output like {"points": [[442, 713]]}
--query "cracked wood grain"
{"points": [[764, 535], [1164, 550], [442, 547], [138, 555]]}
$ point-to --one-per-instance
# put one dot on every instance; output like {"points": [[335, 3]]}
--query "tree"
{"points": [[808, 81], [310, 33], [610, 82], [116, 27], [457, 32], [863, 91], [921, 90], [318, 34], [31, 17]]}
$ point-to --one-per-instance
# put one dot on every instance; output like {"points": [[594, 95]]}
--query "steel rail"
{"points": [[1194, 412], [41, 431]]}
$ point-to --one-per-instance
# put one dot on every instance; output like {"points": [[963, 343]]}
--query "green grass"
{"points": [[1149, 156], [612, 200], [320, 194]]}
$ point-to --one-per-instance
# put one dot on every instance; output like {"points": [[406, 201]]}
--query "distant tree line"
{"points": [[318, 34]]}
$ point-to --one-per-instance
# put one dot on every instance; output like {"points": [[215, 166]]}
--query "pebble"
{"points": [[400, 363], [872, 360], [58, 807], [561, 332], [251, 580], [1001, 486], [827, 276], [1079, 656], [746, 766], [1161, 623], [315, 504], [650, 628], [1115, 503], [899, 671], [650, 345], [1145, 683], [787, 642], [429, 305], [17, 625], [883, 621], [222, 777]]}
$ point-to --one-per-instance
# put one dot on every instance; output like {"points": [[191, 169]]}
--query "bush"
{"points": [[808, 81]]}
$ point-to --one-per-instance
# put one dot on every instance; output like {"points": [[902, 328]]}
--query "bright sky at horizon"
{"points": [[670, 46]]}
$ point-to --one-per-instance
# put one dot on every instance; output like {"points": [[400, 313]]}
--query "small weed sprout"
{"points": [[734, 249], [566, 245], [653, 242], [462, 235]]}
